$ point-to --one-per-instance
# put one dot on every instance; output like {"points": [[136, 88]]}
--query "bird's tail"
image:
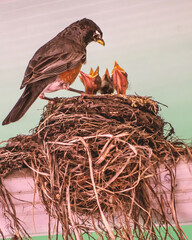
{"points": [[28, 97]]}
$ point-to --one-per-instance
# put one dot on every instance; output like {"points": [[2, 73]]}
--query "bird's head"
{"points": [[89, 77], [91, 81], [85, 31], [91, 31], [117, 68]]}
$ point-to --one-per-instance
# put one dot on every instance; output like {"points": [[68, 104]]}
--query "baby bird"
{"points": [[119, 77], [106, 83], [91, 81]]}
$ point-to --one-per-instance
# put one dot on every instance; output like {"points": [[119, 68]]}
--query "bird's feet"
{"points": [[51, 100]]}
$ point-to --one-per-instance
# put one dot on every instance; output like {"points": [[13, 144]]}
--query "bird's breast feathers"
{"points": [[63, 80]]}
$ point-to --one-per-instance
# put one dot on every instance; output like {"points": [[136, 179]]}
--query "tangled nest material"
{"points": [[96, 164]]}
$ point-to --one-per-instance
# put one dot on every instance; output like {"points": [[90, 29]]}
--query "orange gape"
{"points": [[91, 81], [70, 75]]}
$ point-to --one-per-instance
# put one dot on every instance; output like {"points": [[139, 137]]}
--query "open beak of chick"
{"points": [[91, 81], [106, 83], [119, 77]]}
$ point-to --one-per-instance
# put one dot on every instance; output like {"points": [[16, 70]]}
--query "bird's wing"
{"points": [[53, 59]]}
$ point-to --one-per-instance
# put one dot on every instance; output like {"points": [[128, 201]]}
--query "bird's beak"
{"points": [[100, 41], [91, 71], [83, 75], [117, 67], [107, 72], [96, 71]]}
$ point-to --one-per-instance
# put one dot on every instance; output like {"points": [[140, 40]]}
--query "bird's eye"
{"points": [[96, 34]]}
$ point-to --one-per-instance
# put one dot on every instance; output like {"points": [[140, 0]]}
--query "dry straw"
{"points": [[96, 162]]}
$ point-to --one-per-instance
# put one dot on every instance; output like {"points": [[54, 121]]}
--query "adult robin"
{"points": [[56, 65], [106, 83], [91, 81], [120, 81]]}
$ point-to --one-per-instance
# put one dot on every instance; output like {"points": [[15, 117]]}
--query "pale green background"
{"points": [[187, 229]]}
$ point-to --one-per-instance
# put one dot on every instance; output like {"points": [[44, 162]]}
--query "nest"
{"points": [[96, 163]]}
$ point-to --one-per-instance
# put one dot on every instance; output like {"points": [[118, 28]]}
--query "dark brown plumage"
{"points": [[56, 64], [106, 83]]}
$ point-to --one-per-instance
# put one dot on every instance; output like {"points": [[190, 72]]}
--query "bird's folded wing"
{"points": [[52, 63]]}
